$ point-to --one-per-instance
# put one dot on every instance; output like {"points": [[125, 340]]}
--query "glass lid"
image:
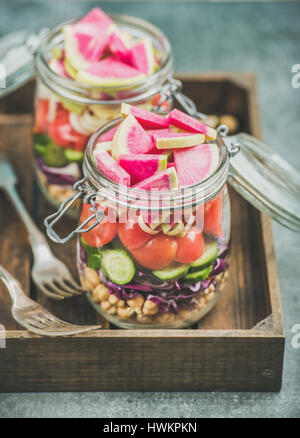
{"points": [[17, 51], [264, 179]]}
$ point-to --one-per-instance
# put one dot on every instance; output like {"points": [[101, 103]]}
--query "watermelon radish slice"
{"points": [[57, 65], [109, 135], [141, 56], [98, 17], [140, 166], [109, 72], [147, 119], [195, 164], [165, 180], [118, 47], [158, 132], [103, 146], [190, 124], [171, 164], [130, 138], [109, 168], [82, 46], [86, 40], [177, 140]]}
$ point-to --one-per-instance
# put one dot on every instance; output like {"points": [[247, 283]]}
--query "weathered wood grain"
{"points": [[15, 253]]}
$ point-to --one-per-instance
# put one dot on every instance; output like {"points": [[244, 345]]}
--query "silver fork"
{"points": [[33, 316], [49, 273]]}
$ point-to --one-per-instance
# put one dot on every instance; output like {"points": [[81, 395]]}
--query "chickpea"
{"points": [[91, 278], [121, 303], [113, 299], [230, 121], [112, 310], [210, 296], [213, 121], [150, 308], [105, 305], [136, 303], [55, 190], [143, 319], [81, 278], [186, 314], [201, 304], [125, 312], [100, 293], [165, 318], [219, 277]]}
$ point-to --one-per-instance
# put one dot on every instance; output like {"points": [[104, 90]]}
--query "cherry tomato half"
{"points": [[190, 247], [131, 234], [62, 133], [213, 217], [157, 253], [102, 233], [41, 113]]}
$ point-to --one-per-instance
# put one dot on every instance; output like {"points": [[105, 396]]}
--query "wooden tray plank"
{"points": [[15, 253]]}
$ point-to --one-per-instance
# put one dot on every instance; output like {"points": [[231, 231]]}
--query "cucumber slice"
{"points": [[118, 265], [41, 139], [94, 261], [40, 149], [175, 270], [210, 254], [199, 275], [55, 156], [74, 156], [88, 248]]}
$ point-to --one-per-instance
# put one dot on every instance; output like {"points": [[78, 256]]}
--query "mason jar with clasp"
{"points": [[68, 112], [133, 246]]}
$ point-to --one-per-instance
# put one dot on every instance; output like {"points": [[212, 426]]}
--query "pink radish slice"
{"points": [[109, 168], [195, 164], [140, 166], [165, 180], [147, 119], [109, 135], [131, 138], [190, 124]]}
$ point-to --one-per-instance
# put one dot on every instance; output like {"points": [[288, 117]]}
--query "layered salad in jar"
{"points": [[107, 62], [159, 267]]}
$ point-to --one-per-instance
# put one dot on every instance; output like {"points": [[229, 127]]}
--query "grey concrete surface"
{"points": [[259, 37]]}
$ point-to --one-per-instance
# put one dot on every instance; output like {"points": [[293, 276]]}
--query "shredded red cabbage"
{"points": [[56, 175], [167, 295]]}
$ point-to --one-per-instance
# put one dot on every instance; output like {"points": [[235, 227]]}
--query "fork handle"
{"points": [[36, 238], [14, 288]]}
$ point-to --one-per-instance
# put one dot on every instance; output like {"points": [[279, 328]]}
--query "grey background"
{"points": [[260, 37]]}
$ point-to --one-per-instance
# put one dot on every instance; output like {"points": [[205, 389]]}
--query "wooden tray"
{"points": [[238, 346]]}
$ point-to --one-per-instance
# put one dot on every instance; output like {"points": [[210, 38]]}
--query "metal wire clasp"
{"points": [[89, 197], [173, 89]]}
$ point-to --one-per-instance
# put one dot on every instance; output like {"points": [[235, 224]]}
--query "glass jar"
{"points": [[133, 246], [67, 112], [136, 265]]}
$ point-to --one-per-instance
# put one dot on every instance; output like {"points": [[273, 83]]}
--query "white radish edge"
{"points": [[77, 125], [52, 109]]}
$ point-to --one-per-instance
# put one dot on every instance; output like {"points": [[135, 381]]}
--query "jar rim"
{"points": [[206, 189], [81, 93]]}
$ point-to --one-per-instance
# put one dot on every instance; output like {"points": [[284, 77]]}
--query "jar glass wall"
{"points": [[67, 113], [136, 265]]}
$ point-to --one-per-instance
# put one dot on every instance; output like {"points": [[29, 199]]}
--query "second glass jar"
{"points": [[67, 113]]}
